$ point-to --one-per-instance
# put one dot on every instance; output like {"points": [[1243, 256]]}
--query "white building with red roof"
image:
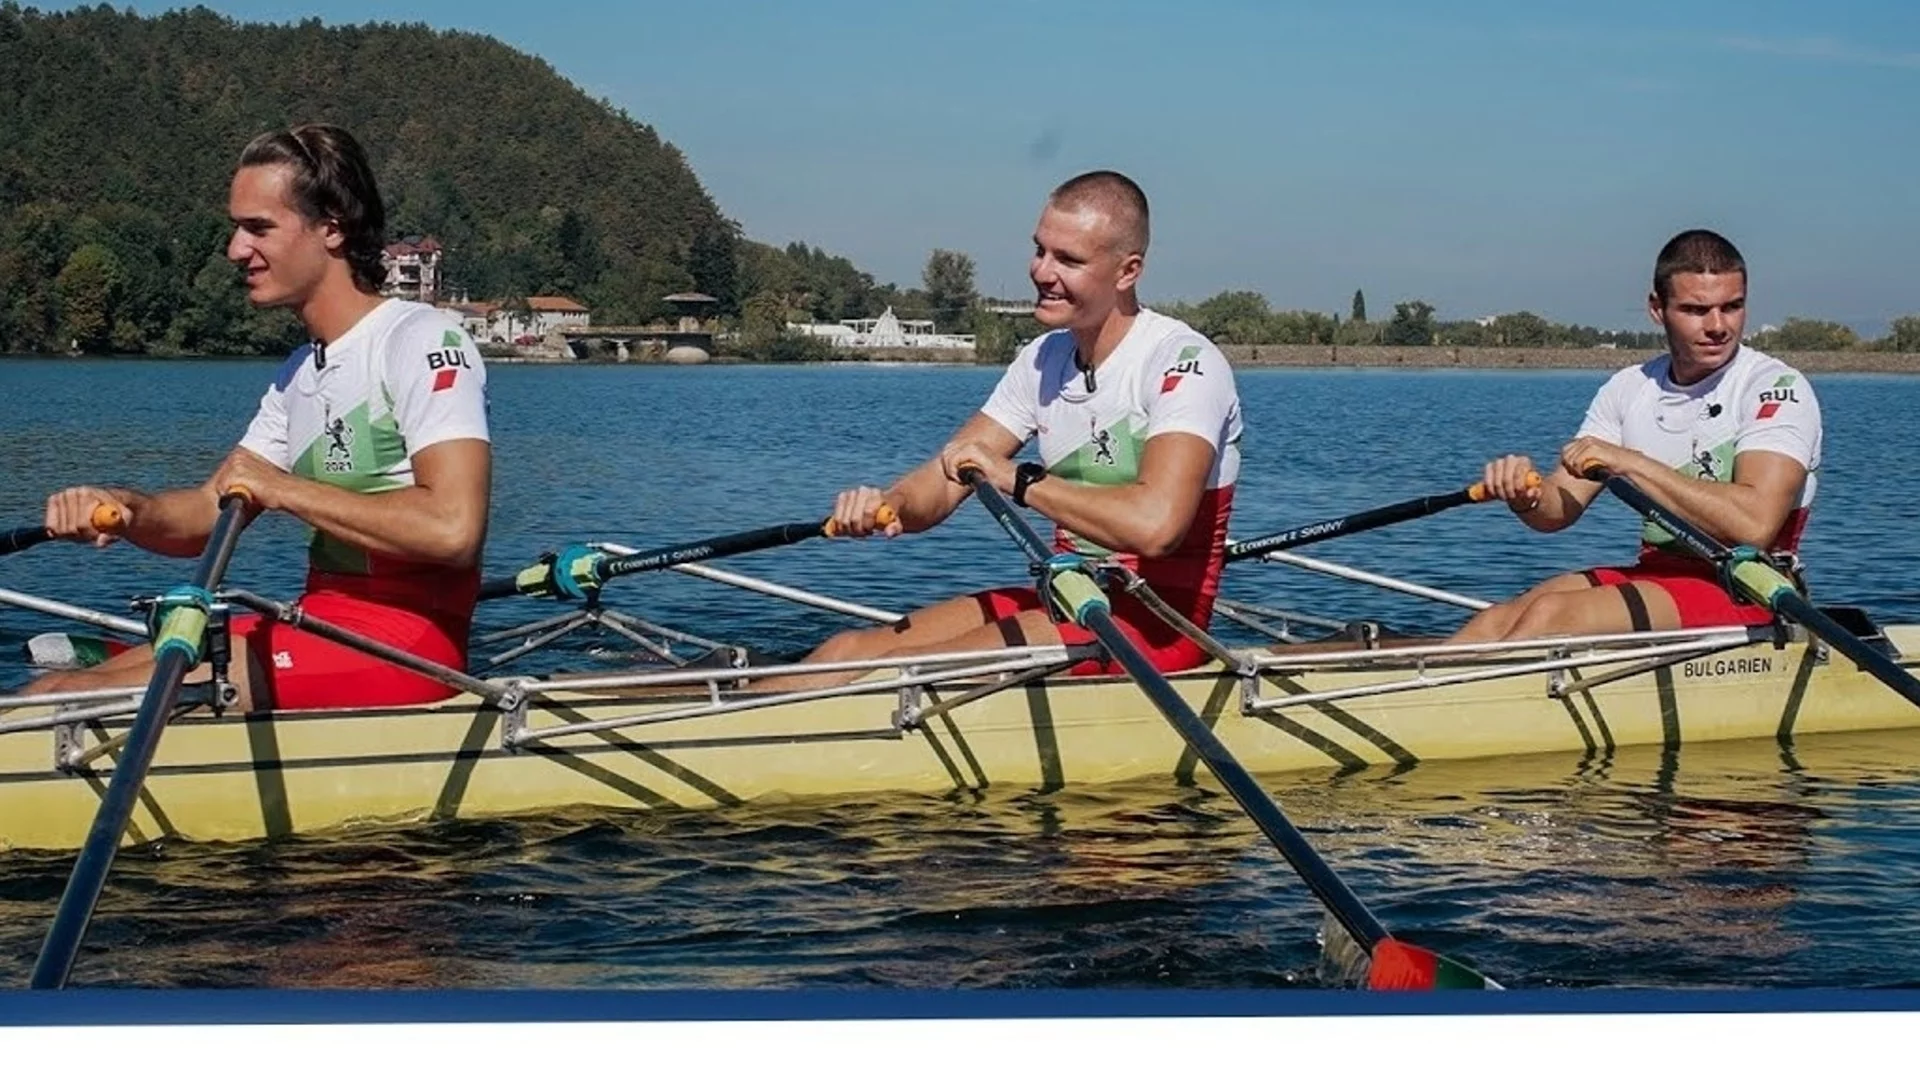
{"points": [[413, 269]]}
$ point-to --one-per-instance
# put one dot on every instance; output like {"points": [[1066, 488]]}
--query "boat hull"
{"points": [[231, 779]]}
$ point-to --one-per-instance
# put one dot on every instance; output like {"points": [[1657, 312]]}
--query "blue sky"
{"points": [[1487, 157]]}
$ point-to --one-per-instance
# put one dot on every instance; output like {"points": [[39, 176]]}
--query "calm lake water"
{"points": [[1734, 865]]}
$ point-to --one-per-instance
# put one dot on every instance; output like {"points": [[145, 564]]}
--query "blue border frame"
{"points": [[108, 1008]]}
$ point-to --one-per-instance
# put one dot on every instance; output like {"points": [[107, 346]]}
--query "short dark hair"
{"points": [[1696, 251], [1114, 195], [332, 181]]}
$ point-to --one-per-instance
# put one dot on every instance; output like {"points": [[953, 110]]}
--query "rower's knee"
{"points": [[1582, 611], [1490, 624], [847, 645]]}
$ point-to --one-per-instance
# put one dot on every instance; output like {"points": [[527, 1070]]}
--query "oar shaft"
{"points": [[1333, 893], [21, 539], [89, 874], [582, 563], [1879, 664], [1320, 878], [105, 519], [1348, 525], [172, 665], [1763, 585], [715, 547]]}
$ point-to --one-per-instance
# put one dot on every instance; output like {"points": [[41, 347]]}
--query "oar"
{"points": [[181, 618], [1362, 521], [577, 571], [105, 519], [1759, 582], [1396, 965]]}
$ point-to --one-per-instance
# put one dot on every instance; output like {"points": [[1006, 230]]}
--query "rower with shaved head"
{"points": [[1138, 426], [1722, 433]]}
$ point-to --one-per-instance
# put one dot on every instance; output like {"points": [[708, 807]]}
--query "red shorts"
{"points": [[303, 671], [1167, 649], [1695, 588]]}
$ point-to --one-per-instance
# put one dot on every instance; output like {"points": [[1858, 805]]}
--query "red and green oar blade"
{"points": [[1760, 583], [1402, 966], [105, 519], [1362, 521], [1397, 965], [579, 570]]}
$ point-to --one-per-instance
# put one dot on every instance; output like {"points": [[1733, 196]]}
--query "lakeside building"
{"points": [[413, 269], [889, 331], [491, 320]]}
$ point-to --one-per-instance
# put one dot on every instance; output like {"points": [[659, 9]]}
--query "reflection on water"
{"points": [[1726, 865], [1722, 865]]}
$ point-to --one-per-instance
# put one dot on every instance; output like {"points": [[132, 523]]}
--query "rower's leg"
{"points": [[1609, 609], [934, 629], [1498, 622], [135, 668]]}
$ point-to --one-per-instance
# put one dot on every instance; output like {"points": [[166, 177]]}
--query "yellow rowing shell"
{"points": [[238, 778]]}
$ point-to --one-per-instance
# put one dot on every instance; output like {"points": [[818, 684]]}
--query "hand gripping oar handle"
{"points": [[181, 618], [1751, 576], [578, 571], [1362, 521], [105, 519], [1073, 586]]}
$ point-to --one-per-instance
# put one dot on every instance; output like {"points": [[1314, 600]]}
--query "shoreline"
{"points": [[1249, 357]]}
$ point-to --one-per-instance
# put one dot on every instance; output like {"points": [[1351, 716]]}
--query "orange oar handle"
{"points": [[107, 519], [1478, 492], [882, 517]]}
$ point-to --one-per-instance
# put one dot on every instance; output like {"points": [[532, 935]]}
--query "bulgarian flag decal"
{"points": [[1183, 366], [1777, 395]]}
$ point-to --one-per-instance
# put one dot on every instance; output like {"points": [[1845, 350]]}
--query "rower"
{"points": [[1138, 423], [374, 434], [1722, 433]]}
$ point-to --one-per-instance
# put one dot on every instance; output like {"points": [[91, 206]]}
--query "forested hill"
{"points": [[119, 134]]}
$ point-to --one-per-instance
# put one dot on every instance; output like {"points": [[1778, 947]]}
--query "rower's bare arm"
{"points": [[441, 519], [174, 522], [1751, 510], [1546, 504], [1563, 499], [927, 496], [1148, 517]]}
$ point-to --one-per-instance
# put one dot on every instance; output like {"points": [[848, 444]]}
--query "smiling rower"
{"points": [[1138, 422], [374, 434]]}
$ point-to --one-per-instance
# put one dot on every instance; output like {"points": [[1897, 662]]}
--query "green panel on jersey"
{"points": [[1108, 459], [1715, 465], [359, 455]]}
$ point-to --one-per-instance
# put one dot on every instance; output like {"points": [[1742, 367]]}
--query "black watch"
{"points": [[1025, 476]]}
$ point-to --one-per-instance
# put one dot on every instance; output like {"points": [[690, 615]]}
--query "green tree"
{"points": [[1904, 334], [712, 260], [1412, 324], [1231, 318], [35, 242], [996, 338], [951, 295], [1466, 334], [1807, 335], [1521, 330], [89, 287], [1358, 312]]}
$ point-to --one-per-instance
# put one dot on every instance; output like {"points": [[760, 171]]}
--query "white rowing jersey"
{"points": [[353, 414], [1164, 377], [1754, 402]]}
